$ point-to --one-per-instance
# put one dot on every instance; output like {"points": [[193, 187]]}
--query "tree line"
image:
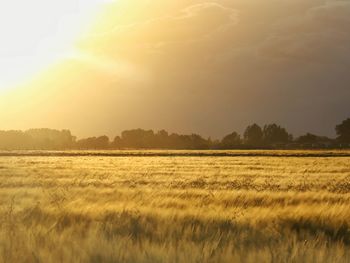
{"points": [[271, 136]]}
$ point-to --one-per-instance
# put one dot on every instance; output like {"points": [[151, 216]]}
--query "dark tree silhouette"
{"points": [[51, 139], [15, 140], [314, 141], [162, 139], [230, 141], [96, 143], [117, 143], [308, 138], [41, 139], [253, 135], [275, 134], [343, 131], [138, 138], [102, 142], [197, 142]]}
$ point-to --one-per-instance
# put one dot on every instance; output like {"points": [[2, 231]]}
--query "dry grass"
{"points": [[174, 209]]}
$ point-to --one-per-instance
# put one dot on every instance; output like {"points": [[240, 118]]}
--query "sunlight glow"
{"points": [[38, 33]]}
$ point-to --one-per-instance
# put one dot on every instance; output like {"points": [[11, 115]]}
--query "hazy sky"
{"points": [[208, 67]]}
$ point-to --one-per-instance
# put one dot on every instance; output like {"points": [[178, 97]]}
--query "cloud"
{"points": [[209, 62], [319, 36], [333, 15], [117, 69], [212, 13], [190, 23]]}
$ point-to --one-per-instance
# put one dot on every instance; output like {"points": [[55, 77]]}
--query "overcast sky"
{"points": [[208, 67]]}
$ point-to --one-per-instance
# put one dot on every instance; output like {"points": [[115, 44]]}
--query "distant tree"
{"points": [[138, 138], [343, 131], [198, 142], [253, 135], [102, 142], [175, 141], [193, 141], [117, 143], [95, 143], [231, 141], [162, 139], [51, 139], [275, 134], [213, 143], [308, 138], [314, 141], [85, 143], [15, 140]]}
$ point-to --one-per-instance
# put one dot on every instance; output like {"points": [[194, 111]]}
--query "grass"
{"points": [[171, 208]]}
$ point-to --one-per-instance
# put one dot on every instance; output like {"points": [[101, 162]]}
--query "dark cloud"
{"points": [[215, 66]]}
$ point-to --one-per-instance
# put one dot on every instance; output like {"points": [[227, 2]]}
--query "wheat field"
{"points": [[174, 208]]}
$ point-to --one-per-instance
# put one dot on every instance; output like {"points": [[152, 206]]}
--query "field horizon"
{"points": [[179, 153]]}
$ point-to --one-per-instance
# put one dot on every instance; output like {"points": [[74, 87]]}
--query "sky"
{"points": [[209, 67]]}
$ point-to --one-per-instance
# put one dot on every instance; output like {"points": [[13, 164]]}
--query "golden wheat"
{"points": [[175, 208]]}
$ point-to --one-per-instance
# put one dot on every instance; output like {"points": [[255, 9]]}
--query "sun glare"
{"points": [[36, 34]]}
